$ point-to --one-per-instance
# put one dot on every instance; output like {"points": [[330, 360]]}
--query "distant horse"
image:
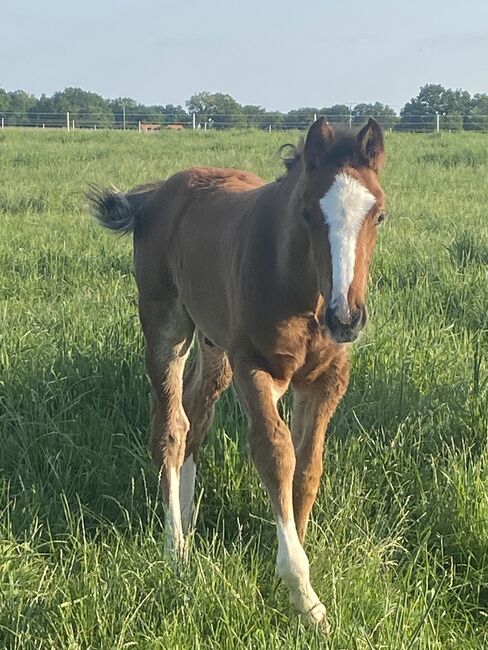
{"points": [[272, 277], [145, 127]]}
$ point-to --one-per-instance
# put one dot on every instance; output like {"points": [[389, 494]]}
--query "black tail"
{"points": [[118, 211], [111, 209]]}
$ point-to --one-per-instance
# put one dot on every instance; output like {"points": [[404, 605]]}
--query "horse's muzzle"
{"points": [[346, 332]]}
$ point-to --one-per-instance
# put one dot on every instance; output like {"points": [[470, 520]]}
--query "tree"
{"points": [[273, 119], [86, 108], [253, 116], [300, 118], [4, 101], [131, 107], [19, 105], [477, 117], [338, 113], [420, 112], [455, 109], [217, 109], [477, 114], [45, 112], [383, 113], [174, 114], [259, 118], [134, 112]]}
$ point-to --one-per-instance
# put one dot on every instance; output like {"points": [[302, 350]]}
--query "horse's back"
{"points": [[201, 194], [221, 179]]}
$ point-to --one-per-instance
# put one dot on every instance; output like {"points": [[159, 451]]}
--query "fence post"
{"points": [[315, 117], [3, 122], [67, 120], [269, 128], [194, 121], [123, 117], [139, 126], [437, 121]]}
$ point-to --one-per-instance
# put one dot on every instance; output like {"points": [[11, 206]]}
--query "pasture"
{"points": [[398, 542]]}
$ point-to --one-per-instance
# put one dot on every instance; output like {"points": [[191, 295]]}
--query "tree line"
{"points": [[456, 109]]}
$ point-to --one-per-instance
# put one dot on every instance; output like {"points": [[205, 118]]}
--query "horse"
{"points": [[272, 278]]}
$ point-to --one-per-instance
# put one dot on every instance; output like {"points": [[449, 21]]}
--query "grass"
{"points": [[399, 539]]}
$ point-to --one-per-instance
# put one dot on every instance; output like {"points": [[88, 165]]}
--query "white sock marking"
{"points": [[187, 490], [344, 206], [174, 532], [293, 568]]}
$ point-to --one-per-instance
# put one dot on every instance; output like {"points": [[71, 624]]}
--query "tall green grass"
{"points": [[399, 538]]}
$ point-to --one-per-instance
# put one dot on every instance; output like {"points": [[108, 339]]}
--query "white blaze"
{"points": [[344, 206]]}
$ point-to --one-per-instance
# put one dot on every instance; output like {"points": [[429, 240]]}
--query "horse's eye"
{"points": [[307, 215], [380, 218]]}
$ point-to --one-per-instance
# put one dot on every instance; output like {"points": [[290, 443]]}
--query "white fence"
{"points": [[264, 121]]}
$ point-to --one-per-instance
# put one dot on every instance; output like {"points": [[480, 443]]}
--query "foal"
{"points": [[272, 277]]}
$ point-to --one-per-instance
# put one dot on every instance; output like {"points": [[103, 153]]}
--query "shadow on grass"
{"points": [[74, 450]]}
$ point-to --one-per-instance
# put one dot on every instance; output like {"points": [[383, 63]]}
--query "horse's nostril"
{"points": [[355, 318], [364, 315], [331, 319], [346, 332]]}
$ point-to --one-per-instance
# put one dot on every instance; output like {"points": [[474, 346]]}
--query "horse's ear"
{"points": [[320, 138], [372, 145]]}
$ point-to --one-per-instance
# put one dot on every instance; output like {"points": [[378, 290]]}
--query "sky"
{"points": [[277, 54]]}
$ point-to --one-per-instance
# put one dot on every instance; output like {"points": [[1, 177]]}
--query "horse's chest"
{"points": [[291, 343]]}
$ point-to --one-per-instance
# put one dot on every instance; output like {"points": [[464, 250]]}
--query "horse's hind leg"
{"points": [[168, 332], [208, 376]]}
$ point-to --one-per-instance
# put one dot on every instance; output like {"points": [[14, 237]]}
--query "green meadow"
{"points": [[398, 543]]}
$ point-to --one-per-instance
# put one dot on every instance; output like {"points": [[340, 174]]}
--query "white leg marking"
{"points": [[175, 542], [293, 568], [187, 490], [345, 207]]}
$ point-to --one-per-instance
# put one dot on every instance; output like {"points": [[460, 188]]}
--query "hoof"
{"points": [[177, 553], [317, 616]]}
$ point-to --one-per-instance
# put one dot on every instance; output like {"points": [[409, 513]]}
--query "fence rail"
{"points": [[265, 121]]}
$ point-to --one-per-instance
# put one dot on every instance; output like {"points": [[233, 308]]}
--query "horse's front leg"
{"points": [[314, 403], [274, 457]]}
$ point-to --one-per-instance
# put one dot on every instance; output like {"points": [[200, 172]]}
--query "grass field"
{"points": [[399, 539]]}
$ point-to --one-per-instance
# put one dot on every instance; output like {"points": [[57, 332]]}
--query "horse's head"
{"points": [[343, 205]]}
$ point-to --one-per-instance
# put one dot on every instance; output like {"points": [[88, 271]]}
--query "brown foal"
{"points": [[272, 277]]}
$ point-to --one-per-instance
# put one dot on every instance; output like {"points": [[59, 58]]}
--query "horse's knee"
{"points": [[308, 480], [273, 454], [168, 436]]}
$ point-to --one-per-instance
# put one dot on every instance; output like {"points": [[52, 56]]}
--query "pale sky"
{"points": [[279, 54]]}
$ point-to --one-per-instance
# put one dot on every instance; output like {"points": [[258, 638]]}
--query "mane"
{"points": [[290, 155], [344, 150]]}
